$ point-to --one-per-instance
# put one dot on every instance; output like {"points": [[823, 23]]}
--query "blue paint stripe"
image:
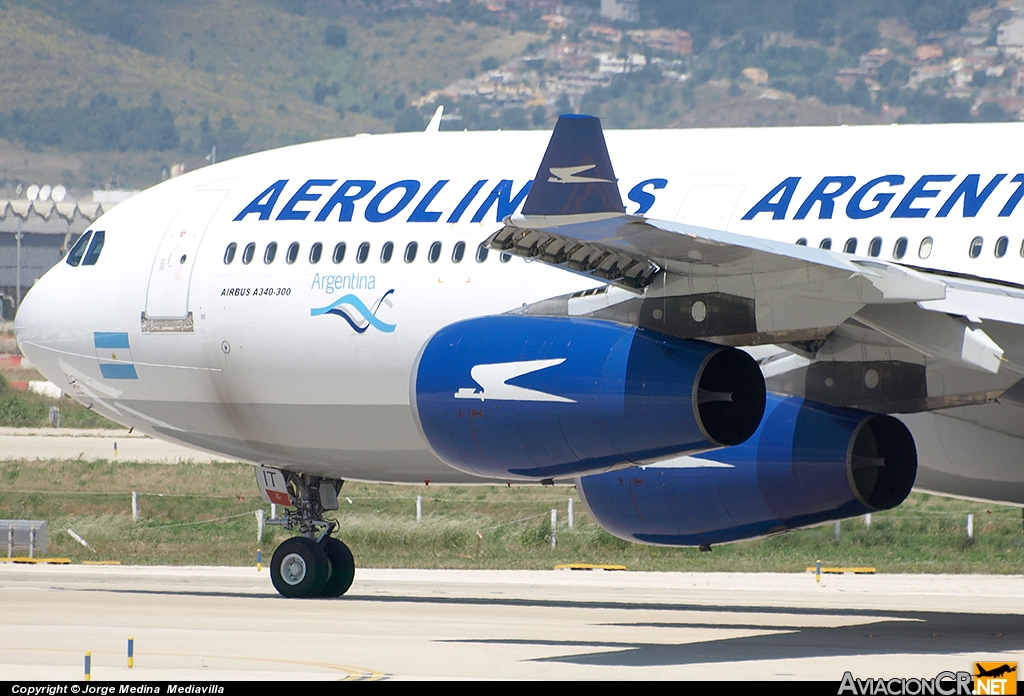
{"points": [[110, 339], [118, 371]]}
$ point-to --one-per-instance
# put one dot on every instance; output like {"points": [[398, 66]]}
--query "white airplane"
{"points": [[406, 308]]}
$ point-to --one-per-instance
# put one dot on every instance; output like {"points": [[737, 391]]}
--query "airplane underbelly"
{"points": [[373, 443], [960, 459]]}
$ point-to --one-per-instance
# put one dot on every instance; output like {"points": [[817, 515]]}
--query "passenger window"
{"points": [[410, 252], [95, 248], [315, 252], [270, 253], [386, 252], [925, 250], [249, 252], [78, 250], [481, 253], [899, 250], [1001, 245], [851, 246], [506, 257], [875, 247], [363, 252], [458, 251], [802, 241], [229, 253], [339, 252], [826, 243], [293, 252], [434, 253], [975, 250]]}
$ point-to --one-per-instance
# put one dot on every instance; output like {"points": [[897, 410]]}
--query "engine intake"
{"points": [[537, 397], [807, 463]]}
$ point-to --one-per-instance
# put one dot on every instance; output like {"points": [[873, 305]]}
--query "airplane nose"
{"points": [[27, 321], [38, 323]]}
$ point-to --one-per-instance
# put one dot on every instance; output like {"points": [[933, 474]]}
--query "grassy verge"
{"points": [[20, 409], [203, 514]]}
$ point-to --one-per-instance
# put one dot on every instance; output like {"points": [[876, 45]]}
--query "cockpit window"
{"points": [[95, 248], [78, 250]]}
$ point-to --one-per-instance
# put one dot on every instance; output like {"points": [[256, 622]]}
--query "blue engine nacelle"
{"points": [[807, 463], [539, 397]]}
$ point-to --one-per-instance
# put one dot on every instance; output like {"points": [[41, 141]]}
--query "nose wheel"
{"points": [[302, 569], [299, 568], [343, 568]]}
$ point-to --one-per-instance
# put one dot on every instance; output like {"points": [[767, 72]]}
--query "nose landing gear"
{"points": [[314, 564]]}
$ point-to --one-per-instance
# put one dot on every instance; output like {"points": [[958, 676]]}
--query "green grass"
{"points": [[203, 514], [28, 410]]}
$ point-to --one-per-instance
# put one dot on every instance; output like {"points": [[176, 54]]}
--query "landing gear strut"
{"points": [[313, 564]]}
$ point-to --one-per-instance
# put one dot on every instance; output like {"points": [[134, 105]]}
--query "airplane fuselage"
{"points": [[205, 319]]}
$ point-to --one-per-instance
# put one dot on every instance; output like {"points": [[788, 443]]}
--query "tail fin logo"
{"points": [[568, 175]]}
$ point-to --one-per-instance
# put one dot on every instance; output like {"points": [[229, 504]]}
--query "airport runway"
{"points": [[67, 443], [227, 623]]}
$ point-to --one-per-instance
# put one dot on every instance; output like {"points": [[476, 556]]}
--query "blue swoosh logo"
{"points": [[364, 311]]}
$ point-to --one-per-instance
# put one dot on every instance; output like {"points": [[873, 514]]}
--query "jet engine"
{"points": [[807, 463], [538, 397]]}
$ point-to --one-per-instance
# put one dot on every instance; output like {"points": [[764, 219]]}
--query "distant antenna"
{"points": [[44, 192], [59, 193], [435, 121], [32, 192]]}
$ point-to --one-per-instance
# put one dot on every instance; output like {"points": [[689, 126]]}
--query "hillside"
{"points": [[250, 70], [100, 93]]}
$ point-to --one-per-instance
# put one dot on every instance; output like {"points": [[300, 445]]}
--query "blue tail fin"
{"points": [[575, 176]]}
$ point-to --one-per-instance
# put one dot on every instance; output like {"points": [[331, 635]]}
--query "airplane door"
{"points": [[710, 206], [169, 280]]}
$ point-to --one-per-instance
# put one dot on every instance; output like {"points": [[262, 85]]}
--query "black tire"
{"points": [[343, 568], [299, 568]]}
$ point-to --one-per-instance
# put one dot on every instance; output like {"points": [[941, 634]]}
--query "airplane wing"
{"points": [[875, 334]]}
